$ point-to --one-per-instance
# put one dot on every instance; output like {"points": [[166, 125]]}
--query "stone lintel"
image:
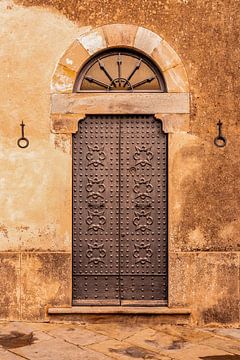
{"points": [[171, 108], [120, 103]]}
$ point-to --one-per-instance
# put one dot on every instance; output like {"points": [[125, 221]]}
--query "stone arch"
{"points": [[176, 101], [116, 35]]}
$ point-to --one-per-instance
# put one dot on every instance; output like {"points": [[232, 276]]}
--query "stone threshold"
{"points": [[142, 310]]}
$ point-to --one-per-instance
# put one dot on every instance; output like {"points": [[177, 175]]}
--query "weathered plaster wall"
{"points": [[35, 185], [35, 240]]}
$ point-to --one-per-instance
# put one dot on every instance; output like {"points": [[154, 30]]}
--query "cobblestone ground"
{"points": [[102, 341]]}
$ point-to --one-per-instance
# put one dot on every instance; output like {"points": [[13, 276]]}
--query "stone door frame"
{"points": [[172, 107]]}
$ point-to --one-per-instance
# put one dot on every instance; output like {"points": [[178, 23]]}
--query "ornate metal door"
{"points": [[120, 211]]}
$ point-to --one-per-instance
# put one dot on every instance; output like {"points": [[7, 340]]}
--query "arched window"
{"points": [[117, 70]]}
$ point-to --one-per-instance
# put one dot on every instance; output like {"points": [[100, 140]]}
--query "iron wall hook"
{"points": [[220, 140], [23, 142]]}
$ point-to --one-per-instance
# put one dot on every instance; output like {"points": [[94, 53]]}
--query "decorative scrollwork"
{"points": [[143, 156], [142, 172], [95, 220], [142, 253], [143, 201], [142, 220], [142, 184], [95, 253], [95, 181], [95, 155], [95, 188]]}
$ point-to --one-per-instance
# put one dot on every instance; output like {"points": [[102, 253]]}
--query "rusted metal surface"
{"points": [[120, 211], [142, 209], [95, 210]]}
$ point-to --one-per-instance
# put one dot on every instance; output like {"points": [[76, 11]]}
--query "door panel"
{"points": [[119, 211], [96, 210], [143, 209]]}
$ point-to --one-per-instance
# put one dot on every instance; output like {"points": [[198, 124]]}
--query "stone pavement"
{"points": [[119, 340]]}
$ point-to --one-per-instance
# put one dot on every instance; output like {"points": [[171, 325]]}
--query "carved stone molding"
{"points": [[65, 123]]}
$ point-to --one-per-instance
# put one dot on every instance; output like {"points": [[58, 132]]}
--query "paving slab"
{"points": [[15, 335], [118, 331], [116, 340], [228, 345], [77, 335], [185, 333], [20, 327], [57, 350], [44, 326], [6, 355], [39, 336], [154, 340], [122, 350], [231, 333], [195, 352], [178, 347]]}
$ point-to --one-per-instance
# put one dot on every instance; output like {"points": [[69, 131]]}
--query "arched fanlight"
{"points": [[120, 70]]}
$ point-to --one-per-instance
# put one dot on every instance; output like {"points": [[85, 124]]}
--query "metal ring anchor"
{"points": [[22, 142], [220, 140]]}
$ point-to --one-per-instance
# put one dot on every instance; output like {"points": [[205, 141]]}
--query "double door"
{"points": [[120, 211]]}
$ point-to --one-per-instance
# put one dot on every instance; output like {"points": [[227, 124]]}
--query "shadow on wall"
{"points": [[221, 357]]}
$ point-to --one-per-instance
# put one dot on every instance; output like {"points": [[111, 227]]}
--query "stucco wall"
{"points": [[35, 185]]}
